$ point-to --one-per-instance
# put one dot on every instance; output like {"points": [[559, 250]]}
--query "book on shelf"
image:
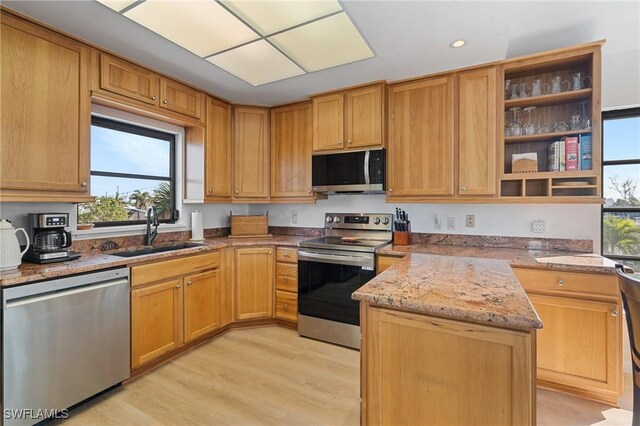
{"points": [[553, 156], [563, 156], [586, 153], [571, 153]]}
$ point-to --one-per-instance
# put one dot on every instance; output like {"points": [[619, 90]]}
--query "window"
{"points": [[132, 168], [621, 186]]}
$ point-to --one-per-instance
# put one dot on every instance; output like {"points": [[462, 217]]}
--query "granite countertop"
{"points": [[30, 272], [482, 291], [523, 258]]}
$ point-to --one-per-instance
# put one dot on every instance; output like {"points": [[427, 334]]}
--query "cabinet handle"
{"points": [[339, 142], [390, 190], [164, 101], [349, 142], [178, 286], [237, 192], [560, 282], [154, 98], [463, 188], [285, 306], [614, 313], [209, 191], [286, 254], [189, 282], [286, 278], [83, 183], [309, 192], [270, 253]]}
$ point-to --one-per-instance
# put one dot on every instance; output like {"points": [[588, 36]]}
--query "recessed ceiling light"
{"points": [[457, 43]]}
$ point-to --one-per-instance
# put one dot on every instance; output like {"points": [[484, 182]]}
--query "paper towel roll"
{"points": [[197, 226]]}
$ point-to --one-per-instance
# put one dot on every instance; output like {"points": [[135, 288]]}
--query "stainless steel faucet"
{"points": [[152, 219]]}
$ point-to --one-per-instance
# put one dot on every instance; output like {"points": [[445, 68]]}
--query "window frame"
{"points": [[613, 115], [113, 124]]}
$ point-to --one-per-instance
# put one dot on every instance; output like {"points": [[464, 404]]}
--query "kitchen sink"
{"points": [[151, 250]]}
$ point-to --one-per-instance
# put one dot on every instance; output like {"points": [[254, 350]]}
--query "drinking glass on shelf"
{"points": [[530, 127], [578, 81], [515, 128], [507, 131], [507, 87], [538, 88], [514, 92], [557, 83], [560, 126], [523, 90], [544, 128], [585, 123], [575, 123]]}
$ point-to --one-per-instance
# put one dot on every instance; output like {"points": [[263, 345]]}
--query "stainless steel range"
{"points": [[331, 268]]}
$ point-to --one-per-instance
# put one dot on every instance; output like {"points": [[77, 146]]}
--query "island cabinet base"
{"points": [[419, 369]]}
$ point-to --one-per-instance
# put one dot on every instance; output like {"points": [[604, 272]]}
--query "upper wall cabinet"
{"points": [[349, 119], [421, 138], [147, 90], [45, 115], [251, 154], [291, 146], [218, 151], [477, 132]]}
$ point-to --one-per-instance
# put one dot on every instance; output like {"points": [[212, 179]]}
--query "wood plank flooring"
{"points": [[270, 376]]}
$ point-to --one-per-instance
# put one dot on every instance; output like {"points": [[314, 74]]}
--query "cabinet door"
{"points": [[201, 304], [579, 345], [253, 283], [364, 117], [45, 111], [421, 138], [291, 146], [156, 321], [477, 132], [328, 122], [218, 150], [179, 98], [128, 80], [251, 153]]}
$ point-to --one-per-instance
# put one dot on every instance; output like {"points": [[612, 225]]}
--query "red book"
{"points": [[571, 152]]}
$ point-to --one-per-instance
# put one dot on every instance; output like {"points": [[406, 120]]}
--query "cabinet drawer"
{"points": [[285, 254], [287, 306], [145, 274], [542, 281], [287, 277]]}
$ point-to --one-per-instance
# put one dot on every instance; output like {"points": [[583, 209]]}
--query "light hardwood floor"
{"points": [[270, 376]]}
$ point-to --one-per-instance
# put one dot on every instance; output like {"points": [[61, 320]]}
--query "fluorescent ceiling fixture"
{"points": [[117, 5], [323, 44], [457, 43], [268, 17], [203, 27], [257, 63]]}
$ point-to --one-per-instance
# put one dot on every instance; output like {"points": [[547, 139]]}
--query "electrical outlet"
{"points": [[439, 223], [470, 221], [538, 226], [294, 216], [451, 223]]}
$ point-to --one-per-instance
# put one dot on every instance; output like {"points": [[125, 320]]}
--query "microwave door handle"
{"points": [[366, 167]]}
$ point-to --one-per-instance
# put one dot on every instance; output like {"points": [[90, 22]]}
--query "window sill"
{"points": [[124, 231]]}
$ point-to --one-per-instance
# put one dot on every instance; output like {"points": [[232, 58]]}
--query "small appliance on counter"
{"points": [[10, 254], [49, 239]]}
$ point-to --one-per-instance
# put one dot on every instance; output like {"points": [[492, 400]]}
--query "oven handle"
{"points": [[337, 259]]}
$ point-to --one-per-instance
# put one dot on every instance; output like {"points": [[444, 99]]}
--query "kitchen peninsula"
{"points": [[447, 340]]}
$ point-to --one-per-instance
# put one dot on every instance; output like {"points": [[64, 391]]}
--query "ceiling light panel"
{"points": [[117, 5], [257, 63], [323, 44], [203, 27], [268, 17]]}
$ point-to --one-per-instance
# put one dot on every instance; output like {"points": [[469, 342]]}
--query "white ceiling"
{"points": [[409, 38]]}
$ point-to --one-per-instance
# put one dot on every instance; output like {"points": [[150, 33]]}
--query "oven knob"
{"points": [[376, 220], [329, 219], [385, 220], [336, 219]]}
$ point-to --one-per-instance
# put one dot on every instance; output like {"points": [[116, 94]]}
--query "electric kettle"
{"points": [[10, 254]]}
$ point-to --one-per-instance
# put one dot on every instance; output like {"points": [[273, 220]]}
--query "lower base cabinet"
{"points": [[253, 283], [287, 284], [201, 304]]}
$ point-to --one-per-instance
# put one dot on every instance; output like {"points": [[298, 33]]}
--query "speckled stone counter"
{"points": [[482, 291], [522, 258], [30, 272]]}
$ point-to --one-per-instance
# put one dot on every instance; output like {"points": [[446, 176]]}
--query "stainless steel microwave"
{"points": [[349, 172]]}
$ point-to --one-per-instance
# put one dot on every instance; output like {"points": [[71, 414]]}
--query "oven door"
{"points": [[326, 281]]}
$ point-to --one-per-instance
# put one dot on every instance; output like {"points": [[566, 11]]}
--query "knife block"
{"points": [[402, 238]]}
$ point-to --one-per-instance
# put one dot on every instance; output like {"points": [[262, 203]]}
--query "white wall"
{"points": [[562, 221]]}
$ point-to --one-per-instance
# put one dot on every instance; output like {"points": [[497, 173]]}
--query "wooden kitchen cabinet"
{"points": [[126, 79], [349, 119], [180, 98], [45, 115], [253, 283], [385, 262], [201, 304], [218, 153], [477, 132], [421, 138], [580, 346], [251, 153], [287, 284], [156, 321], [291, 148]]}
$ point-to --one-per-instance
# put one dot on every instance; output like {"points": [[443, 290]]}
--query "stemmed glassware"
{"points": [[515, 128], [585, 123], [530, 127]]}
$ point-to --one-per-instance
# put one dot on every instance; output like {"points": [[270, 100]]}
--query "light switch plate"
{"points": [[294, 216], [451, 223], [439, 223]]}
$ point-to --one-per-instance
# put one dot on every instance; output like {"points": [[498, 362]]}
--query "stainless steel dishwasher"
{"points": [[63, 341]]}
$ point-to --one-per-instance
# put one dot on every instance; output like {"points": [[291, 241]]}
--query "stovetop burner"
{"points": [[354, 232]]}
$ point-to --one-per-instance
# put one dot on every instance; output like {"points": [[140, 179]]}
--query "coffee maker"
{"points": [[49, 239]]}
